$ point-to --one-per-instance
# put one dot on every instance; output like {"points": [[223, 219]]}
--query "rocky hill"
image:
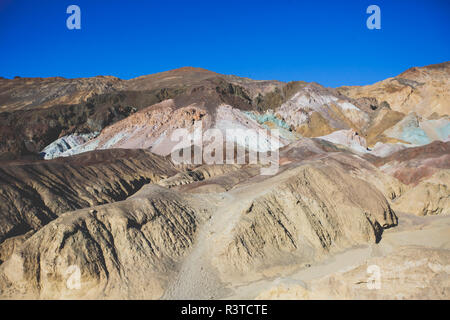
{"points": [[188, 243], [424, 90], [93, 206], [36, 112]]}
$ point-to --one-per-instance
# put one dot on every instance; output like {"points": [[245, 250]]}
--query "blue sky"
{"points": [[323, 41]]}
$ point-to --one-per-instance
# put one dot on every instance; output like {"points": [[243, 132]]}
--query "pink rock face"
{"points": [[155, 128], [150, 128], [413, 165]]}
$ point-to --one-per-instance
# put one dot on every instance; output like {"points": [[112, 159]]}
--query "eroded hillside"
{"points": [[89, 188]]}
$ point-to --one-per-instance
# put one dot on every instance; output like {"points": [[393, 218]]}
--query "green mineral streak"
{"points": [[267, 117]]}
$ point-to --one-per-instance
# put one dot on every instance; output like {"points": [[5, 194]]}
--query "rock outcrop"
{"points": [[66, 145], [430, 197]]}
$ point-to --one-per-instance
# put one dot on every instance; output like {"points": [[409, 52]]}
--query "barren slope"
{"points": [[424, 90], [189, 244], [34, 193]]}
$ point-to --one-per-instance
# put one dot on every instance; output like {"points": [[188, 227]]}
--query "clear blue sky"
{"points": [[323, 41]]}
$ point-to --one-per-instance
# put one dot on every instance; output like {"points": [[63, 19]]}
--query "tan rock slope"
{"points": [[30, 93], [430, 197], [424, 90], [126, 250]]}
